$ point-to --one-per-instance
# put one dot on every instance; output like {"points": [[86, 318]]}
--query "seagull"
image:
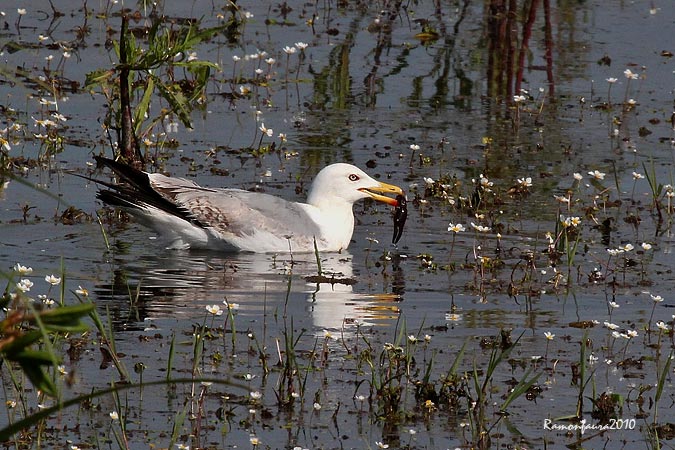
{"points": [[198, 217]]}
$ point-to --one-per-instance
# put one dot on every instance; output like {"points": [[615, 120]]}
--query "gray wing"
{"points": [[238, 212], [232, 211]]}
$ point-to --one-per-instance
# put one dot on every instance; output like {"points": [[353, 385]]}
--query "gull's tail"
{"points": [[136, 194]]}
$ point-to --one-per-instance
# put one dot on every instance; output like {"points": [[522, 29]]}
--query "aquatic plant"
{"points": [[144, 71]]}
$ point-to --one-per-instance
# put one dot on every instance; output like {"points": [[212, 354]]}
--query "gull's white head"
{"points": [[346, 184]]}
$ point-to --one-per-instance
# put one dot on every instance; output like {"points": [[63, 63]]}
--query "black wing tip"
{"points": [[134, 191], [116, 198], [129, 174]]}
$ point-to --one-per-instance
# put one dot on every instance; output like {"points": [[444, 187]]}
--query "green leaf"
{"points": [[66, 313], [662, 377], [98, 77], [38, 377], [144, 105], [66, 319], [179, 103], [34, 357], [21, 343], [522, 387]]}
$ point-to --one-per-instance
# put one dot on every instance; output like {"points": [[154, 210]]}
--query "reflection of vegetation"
{"points": [[507, 50]]}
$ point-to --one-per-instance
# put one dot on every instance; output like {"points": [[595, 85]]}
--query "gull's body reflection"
{"points": [[179, 285]]}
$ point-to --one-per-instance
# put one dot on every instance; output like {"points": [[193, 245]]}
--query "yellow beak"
{"points": [[383, 188]]}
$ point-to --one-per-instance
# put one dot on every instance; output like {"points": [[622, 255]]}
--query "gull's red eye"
{"points": [[353, 177]]}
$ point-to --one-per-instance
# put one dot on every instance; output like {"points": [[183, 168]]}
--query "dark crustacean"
{"points": [[400, 216]]}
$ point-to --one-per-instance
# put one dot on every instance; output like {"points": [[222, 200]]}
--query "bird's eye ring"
{"points": [[353, 177]]}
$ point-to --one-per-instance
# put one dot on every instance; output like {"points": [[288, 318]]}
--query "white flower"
{"points": [[82, 291], [21, 11], [268, 131], [60, 117], [549, 335], [630, 75], [289, 50], [656, 298], [114, 415], [214, 309], [53, 280], [24, 285], [455, 227], [414, 147], [256, 395], [637, 176], [22, 270], [230, 305], [578, 176], [597, 174], [519, 98], [613, 304], [485, 182], [571, 221], [480, 228], [317, 406], [428, 180], [381, 445], [662, 325], [254, 441], [611, 80], [525, 182], [301, 45], [412, 338], [611, 326], [631, 333]]}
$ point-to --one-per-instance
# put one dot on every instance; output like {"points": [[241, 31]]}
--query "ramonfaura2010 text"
{"points": [[583, 426]]}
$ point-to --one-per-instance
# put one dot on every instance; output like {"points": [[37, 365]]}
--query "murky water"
{"points": [[364, 92]]}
